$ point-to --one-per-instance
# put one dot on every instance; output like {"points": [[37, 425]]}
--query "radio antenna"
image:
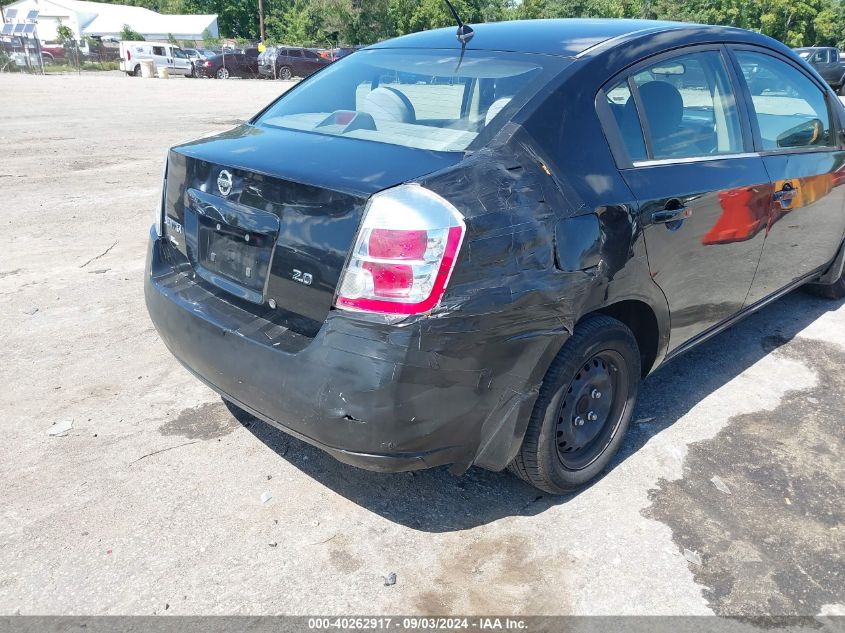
{"points": [[465, 32]]}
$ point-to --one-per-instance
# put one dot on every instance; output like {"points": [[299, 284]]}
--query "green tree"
{"points": [[235, 18], [64, 34], [314, 22], [130, 34]]}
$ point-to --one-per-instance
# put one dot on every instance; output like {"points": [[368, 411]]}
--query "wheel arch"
{"points": [[641, 319]]}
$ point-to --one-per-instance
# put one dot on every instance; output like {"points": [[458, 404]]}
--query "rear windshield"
{"points": [[430, 99]]}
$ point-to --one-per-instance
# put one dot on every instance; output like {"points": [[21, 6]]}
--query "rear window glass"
{"points": [[430, 100]]}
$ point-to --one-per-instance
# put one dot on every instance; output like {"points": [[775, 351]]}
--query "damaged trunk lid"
{"points": [[268, 216]]}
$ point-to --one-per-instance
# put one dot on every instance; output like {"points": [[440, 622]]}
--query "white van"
{"points": [[162, 53]]}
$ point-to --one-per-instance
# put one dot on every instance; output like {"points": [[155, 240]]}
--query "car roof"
{"points": [[566, 37]]}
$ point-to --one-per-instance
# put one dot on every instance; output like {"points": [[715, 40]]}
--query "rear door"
{"points": [[798, 137], [703, 194], [181, 63]]}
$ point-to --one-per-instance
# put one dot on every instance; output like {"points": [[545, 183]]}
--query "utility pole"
{"points": [[261, 19]]}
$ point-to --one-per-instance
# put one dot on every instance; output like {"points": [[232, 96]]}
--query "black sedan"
{"points": [[242, 63], [438, 252]]}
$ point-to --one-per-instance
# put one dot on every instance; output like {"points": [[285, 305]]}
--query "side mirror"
{"points": [[804, 134]]}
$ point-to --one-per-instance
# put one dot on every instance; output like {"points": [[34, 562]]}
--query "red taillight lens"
{"points": [[404, 254], [393, 244], [391, 280]]}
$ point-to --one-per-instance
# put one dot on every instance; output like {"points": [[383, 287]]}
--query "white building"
{"points": [[107, 20]]}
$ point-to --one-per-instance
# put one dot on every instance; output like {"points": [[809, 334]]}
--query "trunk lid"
{"points": [[268, 214]]}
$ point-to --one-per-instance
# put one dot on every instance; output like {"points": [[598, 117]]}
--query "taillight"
{"points": [[404, 253], [128, 55]]}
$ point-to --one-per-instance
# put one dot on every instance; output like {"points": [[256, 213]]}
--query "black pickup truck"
{"points": [[826, 61]]}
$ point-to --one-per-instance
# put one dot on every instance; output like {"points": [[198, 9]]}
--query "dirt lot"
{"points": [[152, 502]]}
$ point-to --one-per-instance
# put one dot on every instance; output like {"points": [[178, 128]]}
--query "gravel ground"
{"points": [[153, 501]]}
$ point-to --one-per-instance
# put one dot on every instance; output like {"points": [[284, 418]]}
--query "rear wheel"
{"points": [[584, 407], [222, 73], [136, 72], [285, 72]]}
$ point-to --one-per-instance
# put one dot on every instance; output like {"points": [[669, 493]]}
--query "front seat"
{"points": [[388, 104], [664, 111]]}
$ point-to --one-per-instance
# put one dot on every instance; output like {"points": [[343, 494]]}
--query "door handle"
{"points": [[785, 195], [671, 215]]}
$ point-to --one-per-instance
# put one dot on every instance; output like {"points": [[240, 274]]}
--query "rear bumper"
{"points": [[376, 396]]}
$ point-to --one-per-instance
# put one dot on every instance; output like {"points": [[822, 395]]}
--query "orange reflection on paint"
{"points": [[745, 211]]}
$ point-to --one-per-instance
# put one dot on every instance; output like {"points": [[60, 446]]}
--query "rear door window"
{"points": [[690, 107], [684, 107], [790, 109], [158, 50]]}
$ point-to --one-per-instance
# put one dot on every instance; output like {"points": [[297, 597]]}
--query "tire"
{"points": [[285, 73], [136, 72], [836, 290], [222, 73], [565, 446], [193, 71]]}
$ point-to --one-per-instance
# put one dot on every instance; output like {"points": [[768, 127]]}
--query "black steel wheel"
{"points": [[591, 410], [583, 409]]}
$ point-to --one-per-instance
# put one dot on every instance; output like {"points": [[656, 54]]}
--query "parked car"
{"points": [[162, 54], [196, 56], [242, 63], [290, 62], [477, 267], [102, 51], [827, 62], [51, 51]]}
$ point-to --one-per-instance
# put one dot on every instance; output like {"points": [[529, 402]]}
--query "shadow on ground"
{"points": [[435, 501]]}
